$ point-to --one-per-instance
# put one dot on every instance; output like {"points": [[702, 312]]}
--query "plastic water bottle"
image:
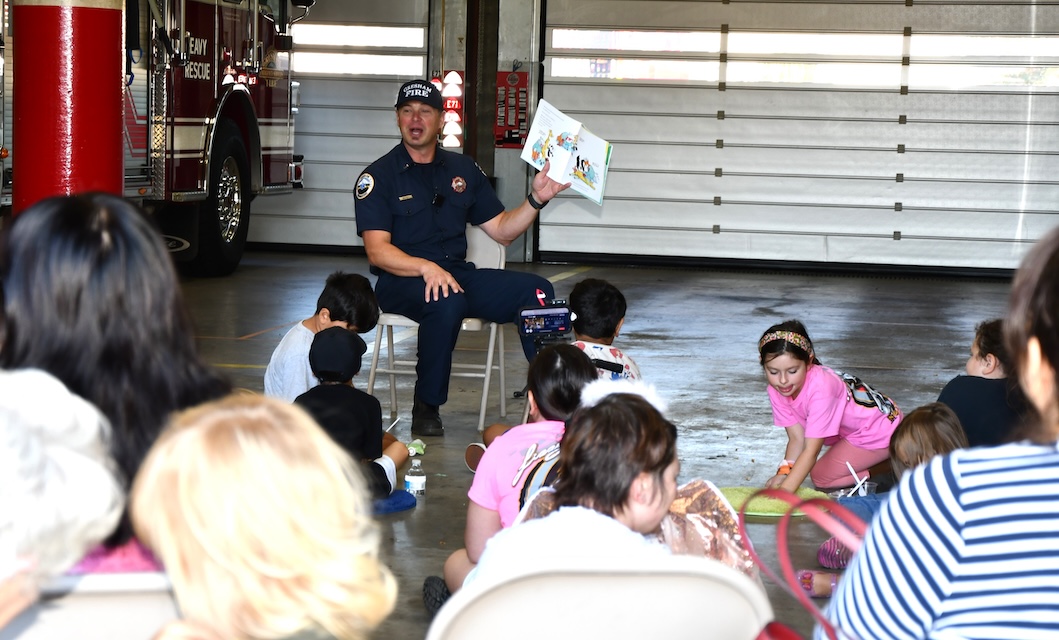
{"points": [[415, 479]]}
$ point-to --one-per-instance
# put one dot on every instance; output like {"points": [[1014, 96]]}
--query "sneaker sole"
{"points": [[435, 594], [473, 455]]}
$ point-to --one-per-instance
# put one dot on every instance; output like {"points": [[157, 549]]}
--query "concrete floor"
{"points": [[693, 333]]}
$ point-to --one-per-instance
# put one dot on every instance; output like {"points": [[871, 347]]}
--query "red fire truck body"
{"points": [[220, 78], [209, 119]]}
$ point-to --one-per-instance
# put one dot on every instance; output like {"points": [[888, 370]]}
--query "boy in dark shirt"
{"points": [[350, 416]]}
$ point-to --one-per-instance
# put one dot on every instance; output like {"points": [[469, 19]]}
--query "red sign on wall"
{"points": [[512, 98]]}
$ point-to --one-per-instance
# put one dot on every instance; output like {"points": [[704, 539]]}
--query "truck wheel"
{"points": [[224, 216]]}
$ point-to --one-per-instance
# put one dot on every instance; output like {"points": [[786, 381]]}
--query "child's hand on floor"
{"points": [[775, 481]]}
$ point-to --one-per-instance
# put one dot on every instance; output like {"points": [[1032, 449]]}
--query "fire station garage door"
{"points": [[350, 58], [907, 133]]}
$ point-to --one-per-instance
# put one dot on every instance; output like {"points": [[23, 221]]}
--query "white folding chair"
{"points": [[101, 606], [485, 253], [672, 597]]}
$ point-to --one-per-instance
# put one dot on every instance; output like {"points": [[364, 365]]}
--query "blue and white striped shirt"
{"points": [[966, 547]]}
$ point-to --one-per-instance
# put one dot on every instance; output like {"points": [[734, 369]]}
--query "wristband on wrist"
{"points": [[533, 202], [784, 470]]}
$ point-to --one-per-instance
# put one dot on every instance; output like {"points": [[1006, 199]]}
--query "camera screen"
{"points": [[544, 320]]}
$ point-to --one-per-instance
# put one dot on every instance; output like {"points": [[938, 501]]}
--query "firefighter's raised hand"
{"points": [[544, 188]]}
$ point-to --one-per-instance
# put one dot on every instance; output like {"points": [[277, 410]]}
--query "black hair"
{"points": [[556, 377], [771, 349], [599, 307], [989, 338], [349, 298], [606, 446], [90, 295]]}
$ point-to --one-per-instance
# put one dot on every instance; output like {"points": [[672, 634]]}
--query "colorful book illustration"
{"points": [[577, 155]]}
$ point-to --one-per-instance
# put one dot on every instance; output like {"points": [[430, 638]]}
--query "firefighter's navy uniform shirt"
{"points": [[420, 206], [426, 209]]}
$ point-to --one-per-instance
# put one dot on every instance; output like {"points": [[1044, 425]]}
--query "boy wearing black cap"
{"points": [[413, 206], [351, 417]]}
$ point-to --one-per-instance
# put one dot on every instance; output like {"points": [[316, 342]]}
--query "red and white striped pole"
{"points": [[69, 70]]}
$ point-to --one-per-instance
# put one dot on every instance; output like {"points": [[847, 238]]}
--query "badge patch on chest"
{"points": [[365, 183], [459, 184]]}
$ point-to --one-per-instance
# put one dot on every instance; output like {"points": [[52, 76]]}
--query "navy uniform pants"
{"points": [[493, 294]]}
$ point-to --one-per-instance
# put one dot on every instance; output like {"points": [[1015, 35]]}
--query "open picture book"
{"points": [[577, 155]]}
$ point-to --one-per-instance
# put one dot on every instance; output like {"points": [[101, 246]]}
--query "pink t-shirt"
{"points": [[831, 409], [502, 470]]}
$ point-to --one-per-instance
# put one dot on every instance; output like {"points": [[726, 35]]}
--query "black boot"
{"points": [[425, 419]]}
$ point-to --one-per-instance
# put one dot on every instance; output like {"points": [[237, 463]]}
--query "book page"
{"points": [[587, 173], [552, 136]]}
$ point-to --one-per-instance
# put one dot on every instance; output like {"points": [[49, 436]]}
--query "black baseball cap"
{"points": [[419, 90], [335, 354]]}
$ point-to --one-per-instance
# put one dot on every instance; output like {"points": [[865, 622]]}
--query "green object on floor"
{"points": [[416, 447], [762, 506]]}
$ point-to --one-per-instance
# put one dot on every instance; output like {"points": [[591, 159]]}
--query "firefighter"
{"points": [[412, 208]]}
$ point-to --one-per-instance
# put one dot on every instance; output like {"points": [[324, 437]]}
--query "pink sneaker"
{"points": [[833, 554]]}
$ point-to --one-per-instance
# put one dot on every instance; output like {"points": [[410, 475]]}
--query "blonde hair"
{"points": [[263, 523]]}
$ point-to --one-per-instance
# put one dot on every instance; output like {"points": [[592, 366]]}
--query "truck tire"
{"points": [[224, 216]]}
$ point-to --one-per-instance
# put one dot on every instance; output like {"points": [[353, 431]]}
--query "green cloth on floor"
{"points": [[762, 506]]}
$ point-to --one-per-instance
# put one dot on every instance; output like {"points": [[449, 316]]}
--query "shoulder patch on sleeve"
{"points": [[365, 183]]}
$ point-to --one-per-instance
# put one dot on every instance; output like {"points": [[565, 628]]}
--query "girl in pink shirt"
{"points": [[554, 382], [818, 406]]}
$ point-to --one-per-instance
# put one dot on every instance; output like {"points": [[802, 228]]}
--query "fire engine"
{"points": [[209, 111]]}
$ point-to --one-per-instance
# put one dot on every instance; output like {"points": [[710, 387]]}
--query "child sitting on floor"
{"points": [[927, 431], [347, 301], [618, 467], [554, 382], [990, 405], [264, 526], [599, 313], [350, 416]]}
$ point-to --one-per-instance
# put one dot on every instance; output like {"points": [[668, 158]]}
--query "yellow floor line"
{"points": [[223, 365], [263, 331], [567, 274]]}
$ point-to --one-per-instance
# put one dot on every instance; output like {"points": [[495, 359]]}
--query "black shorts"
{"points": [[378, 483]]}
